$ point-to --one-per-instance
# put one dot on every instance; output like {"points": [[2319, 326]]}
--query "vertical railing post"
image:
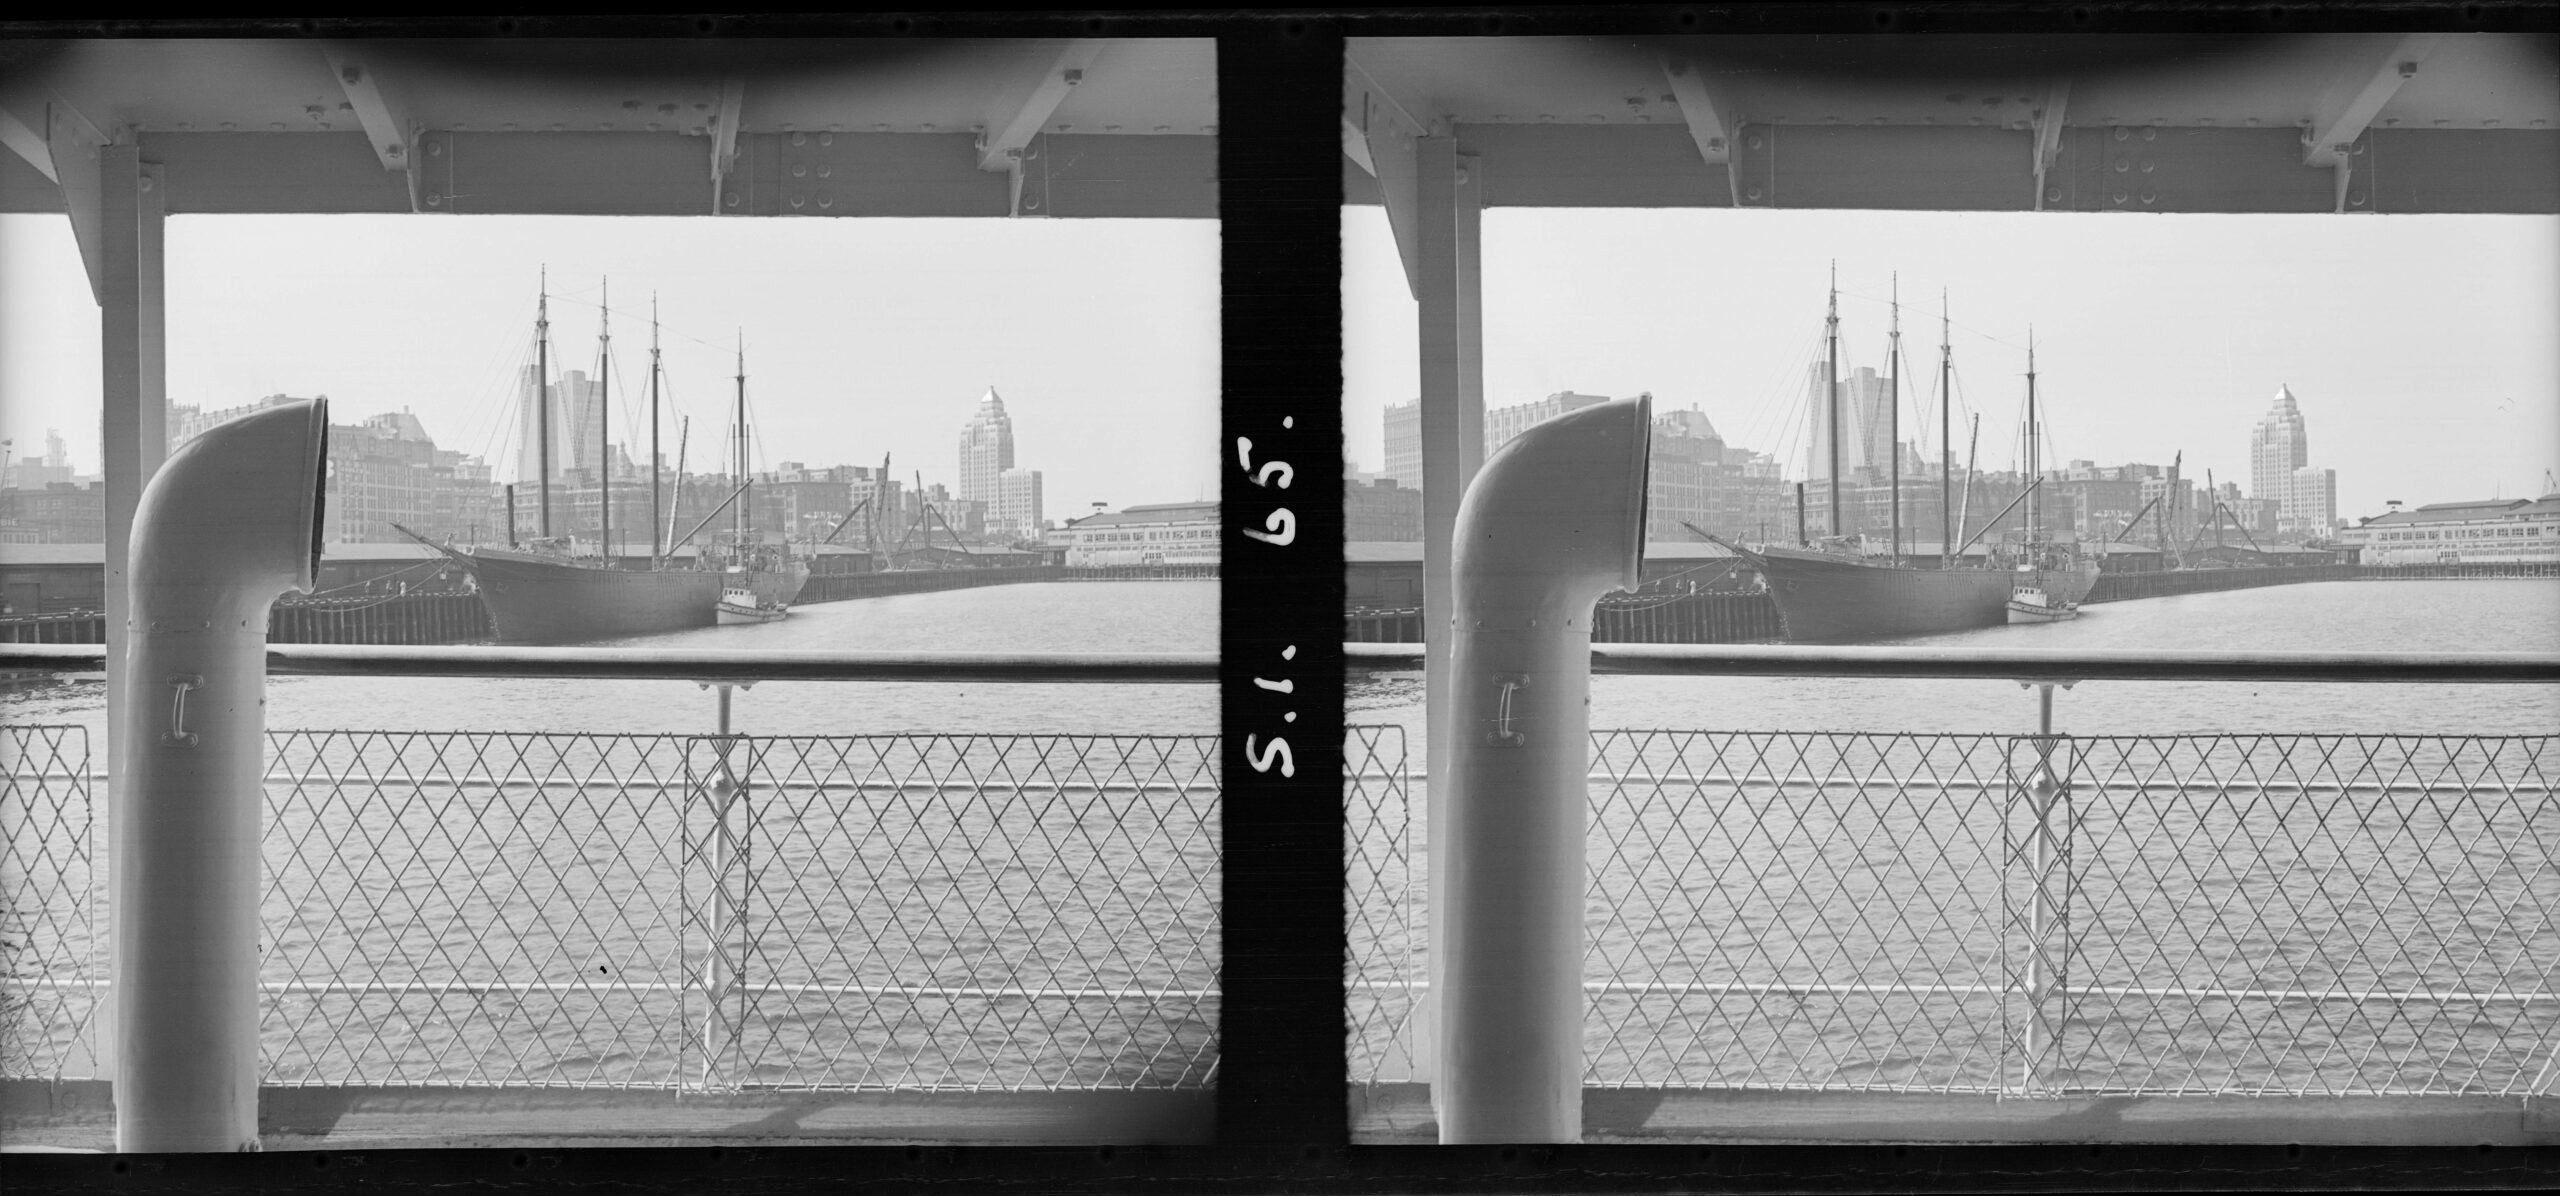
{"points": [[2048, 862], [725, 947]]}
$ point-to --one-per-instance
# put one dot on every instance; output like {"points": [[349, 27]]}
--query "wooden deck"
{"points": [[1401, 1113], [79, 1115]]}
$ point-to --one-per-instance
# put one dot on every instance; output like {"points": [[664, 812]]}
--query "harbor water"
{"points": [[2513, 615], [1165, 616]]}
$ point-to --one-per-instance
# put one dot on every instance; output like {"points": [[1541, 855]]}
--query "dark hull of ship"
{"points": [[536, 601], [1827, 599]]}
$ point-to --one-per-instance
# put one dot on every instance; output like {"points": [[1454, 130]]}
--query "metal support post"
{"points": [[1449, 302], [132, 373], [724, 950], [2048, 862]]}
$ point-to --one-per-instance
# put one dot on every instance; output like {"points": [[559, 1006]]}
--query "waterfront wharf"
{"points": [[450, 617], [1749, 617], [457, 617]]}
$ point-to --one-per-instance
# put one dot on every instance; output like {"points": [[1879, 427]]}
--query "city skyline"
{"points": [[2421, 345], [861, 337]]}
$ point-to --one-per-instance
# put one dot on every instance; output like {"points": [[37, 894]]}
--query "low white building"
{"points": [[2513, 530], [1158, 534]]}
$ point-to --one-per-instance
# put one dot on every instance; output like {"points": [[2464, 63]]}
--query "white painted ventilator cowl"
{"points": [[230, 523], [1554, 519]]}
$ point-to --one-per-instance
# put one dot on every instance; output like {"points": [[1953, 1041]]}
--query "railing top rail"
{"points": [[1806, 660], [308, 660]]}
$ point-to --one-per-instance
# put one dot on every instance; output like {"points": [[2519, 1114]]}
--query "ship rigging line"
{"points": [[1726, 567], [438, 562], [349, 610]]}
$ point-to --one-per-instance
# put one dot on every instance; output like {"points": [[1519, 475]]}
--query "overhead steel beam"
{"points": [[724, 143], [75, 144], [1711, 124], [1388, 136], [2354, 100], [24, 135], [1355, 145], [2057, 103], [386, 124], [2120, 168], [1008, 134]]}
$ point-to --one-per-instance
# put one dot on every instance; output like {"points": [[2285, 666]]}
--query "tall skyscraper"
{"points": [[1503, 423], [986, 451], [1866, 426], [2279, 445], [2280, 471], [1404, 443], [576, 404], [2311, 502], [1017, 508]]}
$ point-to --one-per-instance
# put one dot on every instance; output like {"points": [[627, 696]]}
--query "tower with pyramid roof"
{"points": [[2280, 469], [986, 451]]}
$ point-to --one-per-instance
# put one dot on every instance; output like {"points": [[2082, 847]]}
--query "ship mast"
{"points": [[2034, 529], [542, 398], [1946, 445], [655, 466], [1893, 416], [604, 437], [741, 535], [1831, 393]]}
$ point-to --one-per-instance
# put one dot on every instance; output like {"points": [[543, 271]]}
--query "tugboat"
{"points": [[738, 604], [2030, 604]]}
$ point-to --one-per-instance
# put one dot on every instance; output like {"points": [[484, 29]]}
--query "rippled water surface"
{"points": [[1167, 616], [2345, 616]]}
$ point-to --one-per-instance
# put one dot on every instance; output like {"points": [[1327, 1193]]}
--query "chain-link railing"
{"points": [[2279, 915], [1795, 910], [53, 875], [477, 909], [2327, 914], [1383, 859], [490, 910], [959, 912]]}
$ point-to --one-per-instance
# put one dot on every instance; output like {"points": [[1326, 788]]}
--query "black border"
{"points": [[1283, 1075]]}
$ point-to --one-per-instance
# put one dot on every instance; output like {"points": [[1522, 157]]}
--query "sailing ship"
{"points": [[560, 589], [1839, 592]]}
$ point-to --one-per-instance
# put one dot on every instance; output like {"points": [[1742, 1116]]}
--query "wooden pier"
{"points": [[1716, 618], [440, 618], [1750, 617]]}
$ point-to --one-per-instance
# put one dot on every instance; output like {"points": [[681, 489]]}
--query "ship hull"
{"points": [[735, 614], [534, 601], [1825, 599], [2031, 606]]}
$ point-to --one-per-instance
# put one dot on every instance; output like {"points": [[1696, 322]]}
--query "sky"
{"points": [[2424, 351], [861, 336]]}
